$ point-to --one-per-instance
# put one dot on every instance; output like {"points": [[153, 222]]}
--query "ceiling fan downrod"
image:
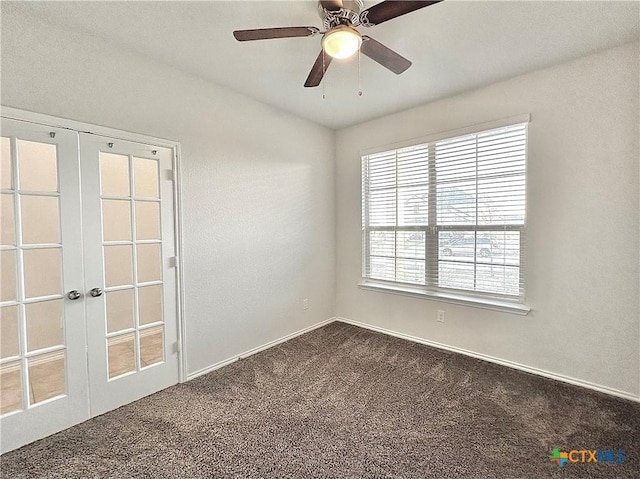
{"points": [[336, 13]]}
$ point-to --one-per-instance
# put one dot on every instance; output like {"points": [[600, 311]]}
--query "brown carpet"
{"points": [[343, 402]]}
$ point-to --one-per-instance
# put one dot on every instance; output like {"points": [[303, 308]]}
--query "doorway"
{"points": [[89, 290]]}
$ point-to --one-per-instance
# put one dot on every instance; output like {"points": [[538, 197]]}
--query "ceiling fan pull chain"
{"points": [[359, 76], [324, 80]]}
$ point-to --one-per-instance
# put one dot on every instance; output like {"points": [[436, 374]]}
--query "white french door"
{"points": [[42, 345], [88, 293], [129, 251]]}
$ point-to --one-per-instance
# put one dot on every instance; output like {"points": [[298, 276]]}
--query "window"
{"points": [[448, 216]]}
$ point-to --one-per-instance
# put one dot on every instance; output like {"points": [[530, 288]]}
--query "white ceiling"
{"points": [[454, 46]]}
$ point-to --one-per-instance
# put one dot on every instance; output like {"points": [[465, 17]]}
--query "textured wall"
{"points": [[583, 222], [258, 191], [258, 184]]}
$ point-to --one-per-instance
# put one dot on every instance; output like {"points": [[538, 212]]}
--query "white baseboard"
{"points": [[415, 339], [257, 349], [502, 362]]}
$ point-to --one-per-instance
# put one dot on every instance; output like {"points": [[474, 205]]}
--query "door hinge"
{"points": [[172, 262], [175, 347], [169, 175]]}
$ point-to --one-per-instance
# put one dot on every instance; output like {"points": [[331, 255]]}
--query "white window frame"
{"points": [[514, 305]]}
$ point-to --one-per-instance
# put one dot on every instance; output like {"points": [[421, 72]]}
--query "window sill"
{"points": [[484, 303]]}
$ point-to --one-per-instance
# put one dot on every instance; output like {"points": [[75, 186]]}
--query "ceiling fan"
{"points": [[341, 39]]}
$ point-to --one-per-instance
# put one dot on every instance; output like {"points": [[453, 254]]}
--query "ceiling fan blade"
{"points": [[331, 5], [384, 55], [318, 70], [280, 32], [391, 9]]}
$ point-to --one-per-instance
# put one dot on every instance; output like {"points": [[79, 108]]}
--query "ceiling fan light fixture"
{"points": [[341, 42]]}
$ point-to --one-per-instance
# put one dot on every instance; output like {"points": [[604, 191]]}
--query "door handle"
{"points": [[73, 295], [95, 292]]}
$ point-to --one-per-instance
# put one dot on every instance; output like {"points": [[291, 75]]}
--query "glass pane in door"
{"points": [[116, 220], [10, 339], [6, 169], [146, 182], [151, 346], [117, 265], [150, 304], [120, 314], [38, 166], [11, 387], [40, 219], [7, 220], [44, 324], [147, 220], [46, 376], [114, 174], [42, 272], [122, 354], [8, 272], [149, 262]]}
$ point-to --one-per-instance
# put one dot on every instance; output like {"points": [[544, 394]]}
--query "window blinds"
{"points": [[449, 214]]}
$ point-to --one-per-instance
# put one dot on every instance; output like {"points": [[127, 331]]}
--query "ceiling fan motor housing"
{"points": [[348, 15]]}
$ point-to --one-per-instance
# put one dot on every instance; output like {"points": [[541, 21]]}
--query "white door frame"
{"points": [[57, 122]]}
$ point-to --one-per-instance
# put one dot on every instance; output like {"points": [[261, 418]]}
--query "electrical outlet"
{"points": [[305, 304], [440, 317]]}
